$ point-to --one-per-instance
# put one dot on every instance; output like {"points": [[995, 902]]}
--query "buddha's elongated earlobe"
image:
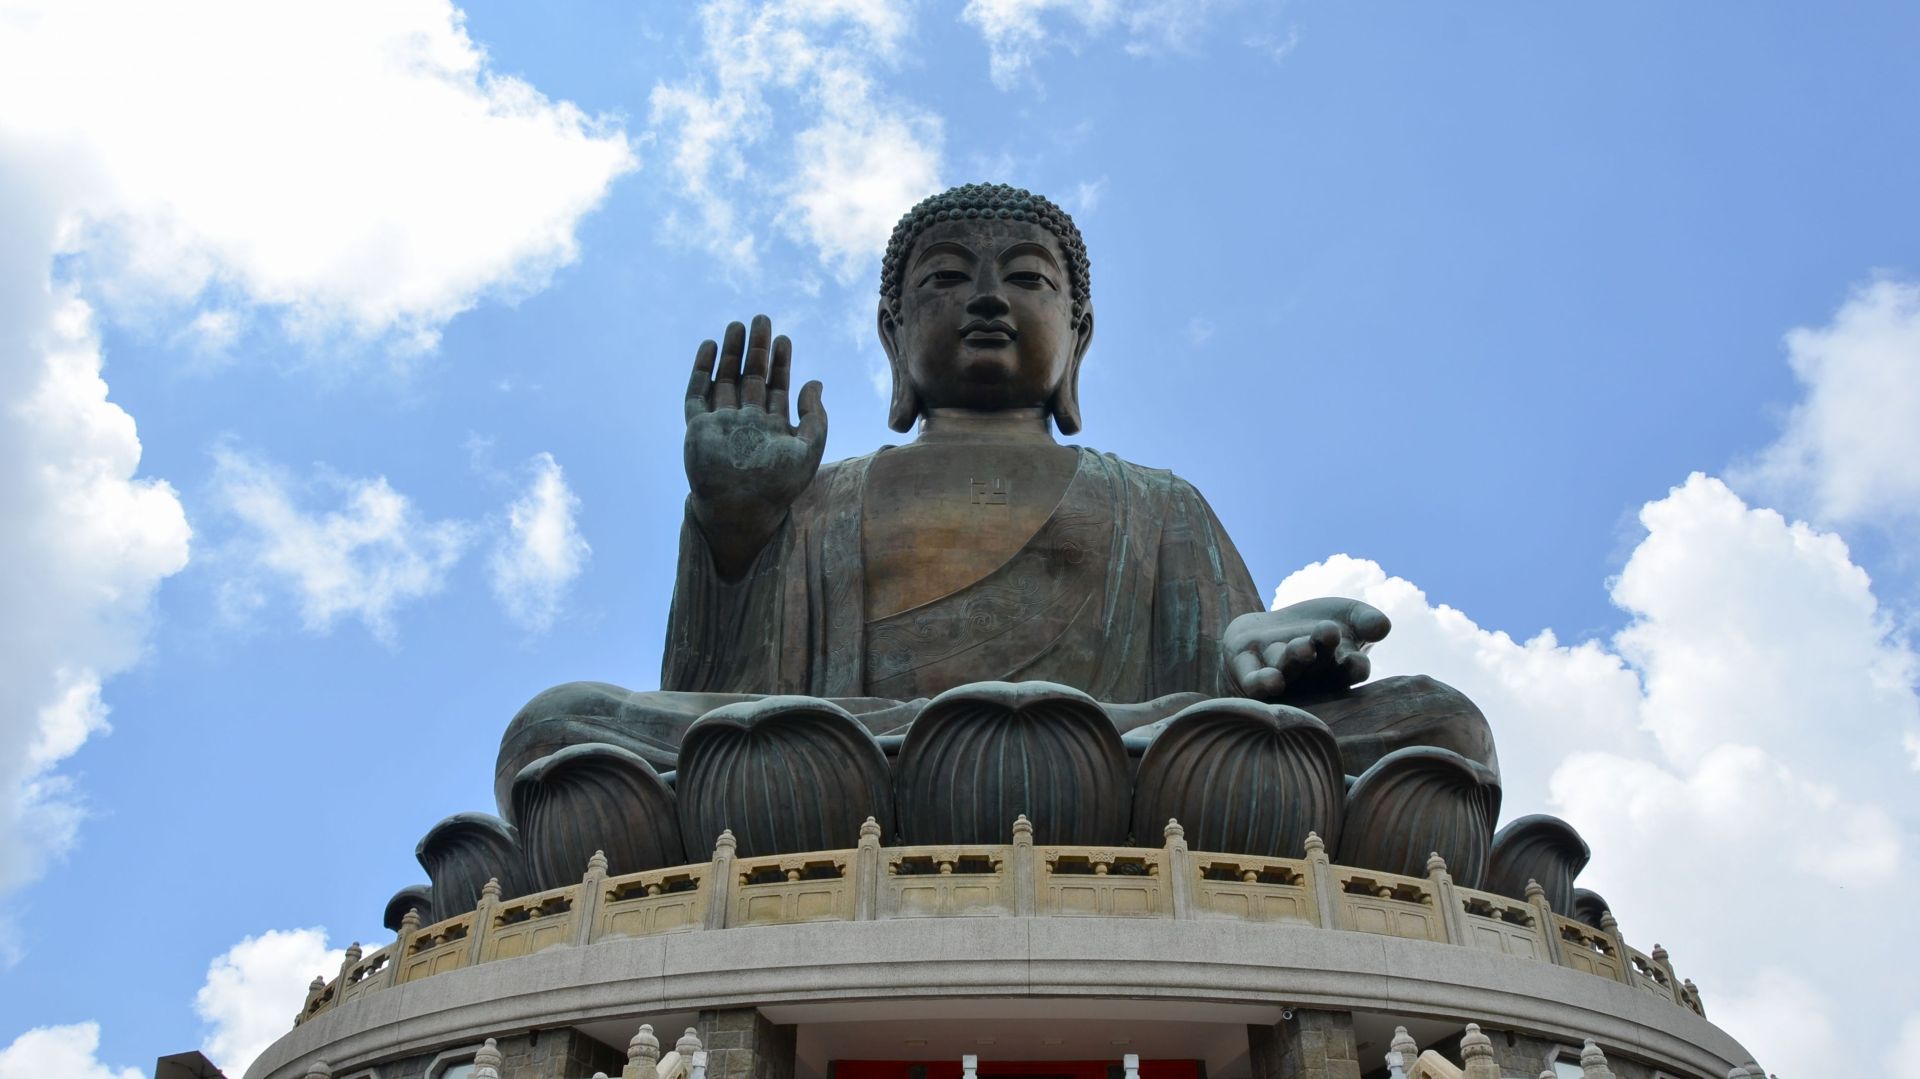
{"points": [[905, 407], [1065, 405]]}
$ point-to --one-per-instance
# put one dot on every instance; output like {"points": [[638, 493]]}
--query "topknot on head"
{"points": [[975, 201]]}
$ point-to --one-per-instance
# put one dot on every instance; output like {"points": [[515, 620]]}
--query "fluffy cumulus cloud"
{"points": [[68, 1052], [366, 558], [375, 175], [1733, 752], [843, 158], [1849, 447], [253, 990], [86, 543], [541, 551], [374, 178]]}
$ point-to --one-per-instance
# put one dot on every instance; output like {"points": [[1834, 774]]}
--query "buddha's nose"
{"points": [[987, 301]]}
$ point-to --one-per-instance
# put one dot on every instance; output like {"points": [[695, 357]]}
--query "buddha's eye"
{"points": [[944, 277], [1030, 279]]}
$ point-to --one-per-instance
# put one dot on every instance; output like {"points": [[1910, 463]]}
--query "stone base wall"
{"points": [[1311, 1045], [741, 1044]]}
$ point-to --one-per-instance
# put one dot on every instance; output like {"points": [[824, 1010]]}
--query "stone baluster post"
{"points": [[1130, 1064], [1326, 891], [866, 873], [1476, 1050], [319, 1069], [592, 893], [314, 988], [643, 1055], [1611, 927], [1452, 914], [347, 963], [1401, 1053], [1694, 992], [1180, 866], [1543, 917], [483, 922], [969, 1066], [697, 1065], [402, 944], [1739, 1071], [1665, 962], [486, 1063], [1593, 1062], [1026, 878], [720, 882]]}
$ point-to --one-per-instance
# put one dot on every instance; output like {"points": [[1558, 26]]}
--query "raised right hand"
{"points": [[746, 464]]}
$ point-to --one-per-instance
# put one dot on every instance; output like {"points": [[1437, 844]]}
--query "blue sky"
{"points": [[1514, 319]]}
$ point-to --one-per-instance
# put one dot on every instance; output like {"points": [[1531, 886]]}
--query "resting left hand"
{"points": [[1308, 648]]}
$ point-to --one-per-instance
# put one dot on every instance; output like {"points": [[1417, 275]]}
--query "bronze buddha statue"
{"points": [[981, 622]]}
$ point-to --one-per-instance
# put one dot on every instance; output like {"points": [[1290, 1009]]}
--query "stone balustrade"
{"points": [[1019, 879]]}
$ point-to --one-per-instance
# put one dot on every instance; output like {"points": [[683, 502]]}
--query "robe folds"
{"points": [[1124, 592]]}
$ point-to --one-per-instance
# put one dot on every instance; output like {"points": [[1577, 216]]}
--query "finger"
{"points": [[1355, 667], [776, 381], [777, 378], [1301, 653], [1369, 623], [753, 379], [1255, 679], [813, 416], [726, 376], [700, 386], [1326, 635]]}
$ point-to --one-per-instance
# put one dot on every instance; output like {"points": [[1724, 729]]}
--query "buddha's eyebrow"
{"points": [[1028, 247], [944, 247]]}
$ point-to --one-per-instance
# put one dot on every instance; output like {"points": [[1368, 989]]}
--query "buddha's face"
{"points": [[986, 318]]}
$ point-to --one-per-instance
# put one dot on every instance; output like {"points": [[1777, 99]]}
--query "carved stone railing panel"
{"points": [[1389, 904], [528, 924], [1586, 948], [781, 889], [657, 901], [1494, 923], [1253, 889], [947, 882], [437, 948], [1105, 882], [370, 973]]}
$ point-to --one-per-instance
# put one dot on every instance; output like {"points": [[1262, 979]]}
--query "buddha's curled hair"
{"points": [[978, 201]]}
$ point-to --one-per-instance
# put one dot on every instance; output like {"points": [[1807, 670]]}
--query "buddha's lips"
{"points": [[985, 329]]}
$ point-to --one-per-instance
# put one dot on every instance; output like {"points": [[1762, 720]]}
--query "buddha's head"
{"points": [[984, 305]]}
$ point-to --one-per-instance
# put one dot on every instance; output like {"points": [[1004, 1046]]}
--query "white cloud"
{"points": [[1018, 31], [366, 559], [356, 167], [856, 158], [63, 1052], [1087, 195], [371, 174], [1734, 752], [542, 550], [86, 542], [254, 989], [1849, 447]]}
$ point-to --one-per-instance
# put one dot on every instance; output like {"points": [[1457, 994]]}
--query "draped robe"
{"points": [[1124, 592]]}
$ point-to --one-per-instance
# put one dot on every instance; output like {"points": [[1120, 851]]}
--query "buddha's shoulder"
{"points": [[1159, 479]]}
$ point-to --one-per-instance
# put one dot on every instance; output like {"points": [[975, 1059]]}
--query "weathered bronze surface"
{"points": [[1540, 848], [593, 797], [984, 551], [463, 852], [1242, 776], [1420, 801], [981, 755]]}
